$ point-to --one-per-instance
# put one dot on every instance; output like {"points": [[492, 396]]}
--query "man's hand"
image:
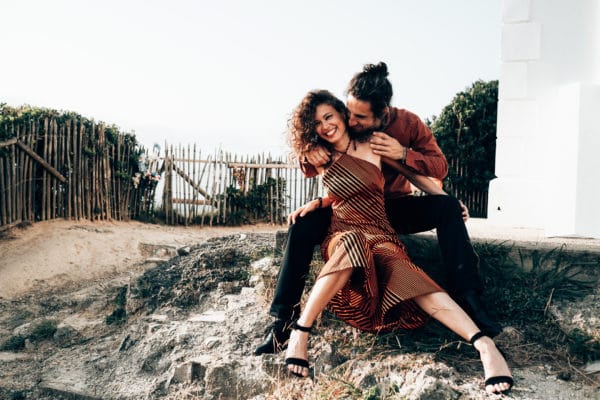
{"points": [[386, 146], [465, 211], [317, 156], [302, 211]]}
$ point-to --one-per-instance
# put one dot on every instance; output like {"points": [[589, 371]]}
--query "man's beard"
{"points": [[362, 135]]}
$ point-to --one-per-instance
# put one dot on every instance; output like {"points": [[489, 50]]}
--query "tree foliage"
{"points": [[11, 117], [25, 117], [466, 133]]}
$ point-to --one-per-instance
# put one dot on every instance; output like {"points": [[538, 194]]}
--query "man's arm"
{"points": [[420, 181], [424, 155], [407, 139]]}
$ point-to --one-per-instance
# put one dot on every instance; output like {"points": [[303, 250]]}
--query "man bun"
{"points": [[373, 86], [379, 69]]}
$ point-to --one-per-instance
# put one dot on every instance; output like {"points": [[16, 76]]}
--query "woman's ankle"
{"points": [[304, 323], [484, 344]]}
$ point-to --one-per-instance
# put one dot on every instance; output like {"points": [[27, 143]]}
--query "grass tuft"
{"points": [[518, 294]]}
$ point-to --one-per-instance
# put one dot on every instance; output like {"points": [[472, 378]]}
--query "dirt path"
{"points": [[50, 254]]}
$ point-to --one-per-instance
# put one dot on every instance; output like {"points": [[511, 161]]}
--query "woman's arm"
{"points": [[423, 183], [420, 181], [319, 202]]}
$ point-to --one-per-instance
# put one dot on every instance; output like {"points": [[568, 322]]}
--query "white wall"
{"points": [[549, 93]]}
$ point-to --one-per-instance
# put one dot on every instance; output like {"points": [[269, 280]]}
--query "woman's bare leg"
{"points": [[441, 307], [322, 292]]}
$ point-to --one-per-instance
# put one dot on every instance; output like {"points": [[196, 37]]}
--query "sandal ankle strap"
{"points": [[476, 337], [301, 328]]}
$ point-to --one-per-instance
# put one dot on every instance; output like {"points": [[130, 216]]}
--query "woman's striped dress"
{"points": [[378, 296]]}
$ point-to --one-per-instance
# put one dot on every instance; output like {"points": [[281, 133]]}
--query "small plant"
{"points": [[14, 343], [119, 315], [43, 331], [256, 204]]}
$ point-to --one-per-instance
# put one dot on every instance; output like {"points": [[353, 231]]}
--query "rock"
{"points": [[188, 372], [160, 252], [9, 356], [224, 288], [23, 330], [57, 390], [208, 316], [212, 342], [66, 335], [29, 345], [579, 315], [184, 251], [221, 381], [592, 367]]}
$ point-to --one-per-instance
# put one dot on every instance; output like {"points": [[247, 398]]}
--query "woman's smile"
{"points": [[329, 123]]}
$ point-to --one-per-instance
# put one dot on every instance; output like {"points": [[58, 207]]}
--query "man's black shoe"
{"points": [[470, 302], [277, 339]]}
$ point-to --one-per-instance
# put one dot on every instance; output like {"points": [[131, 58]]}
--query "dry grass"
{"points": [[521, 291]]}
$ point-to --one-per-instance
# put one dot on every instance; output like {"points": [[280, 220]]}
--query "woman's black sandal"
{"points": [[494, 379], [298, 361]]}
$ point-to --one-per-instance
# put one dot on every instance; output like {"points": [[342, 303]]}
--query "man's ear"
{"points": [[385, 118]]}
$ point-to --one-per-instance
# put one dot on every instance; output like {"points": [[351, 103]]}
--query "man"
{"points": [[402, 136]]}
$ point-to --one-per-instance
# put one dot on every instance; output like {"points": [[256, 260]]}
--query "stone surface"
{"points": [[192, 334]]}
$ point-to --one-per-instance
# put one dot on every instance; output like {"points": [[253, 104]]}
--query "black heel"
{"points": [[300, 362], [494, 379], [277, 338]]}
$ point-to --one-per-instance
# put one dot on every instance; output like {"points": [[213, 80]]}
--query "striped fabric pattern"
{"points": [[378, 297]]}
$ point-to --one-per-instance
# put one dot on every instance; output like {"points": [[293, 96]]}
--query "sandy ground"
{"points": [[53, 253], [57, 254], [50, 254]]}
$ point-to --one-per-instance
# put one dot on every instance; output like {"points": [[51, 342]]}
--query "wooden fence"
{"points": [[51, 169], [475, 200], [66, 168], [223, 188]]}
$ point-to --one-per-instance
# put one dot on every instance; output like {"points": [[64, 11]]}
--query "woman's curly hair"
{"points": [[302, 134]]}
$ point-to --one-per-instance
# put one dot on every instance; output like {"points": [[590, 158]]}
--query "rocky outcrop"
{"points": [[187, 327]]}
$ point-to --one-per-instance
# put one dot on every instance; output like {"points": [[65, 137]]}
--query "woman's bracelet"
{"points": [[320, 202]]}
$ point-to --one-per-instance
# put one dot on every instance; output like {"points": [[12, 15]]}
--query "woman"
{"points": [[368, 280]]}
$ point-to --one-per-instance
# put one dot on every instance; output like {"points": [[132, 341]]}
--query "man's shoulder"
{"points": [[402, 114], [402, 121]]}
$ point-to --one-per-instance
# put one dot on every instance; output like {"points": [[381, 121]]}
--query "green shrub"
{"points": [[43, 331]]}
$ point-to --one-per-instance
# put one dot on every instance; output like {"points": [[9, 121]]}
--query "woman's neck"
{"points": [[343, 148]]}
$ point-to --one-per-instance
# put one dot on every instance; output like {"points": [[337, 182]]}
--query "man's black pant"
{"points": [[409, 214]]}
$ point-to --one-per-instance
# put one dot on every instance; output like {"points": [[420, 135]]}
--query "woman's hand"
{"points": [[319, 202], [303, 210], [318, 156]]}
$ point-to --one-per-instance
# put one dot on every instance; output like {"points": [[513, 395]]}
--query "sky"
{"points": [[227, 74]]}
